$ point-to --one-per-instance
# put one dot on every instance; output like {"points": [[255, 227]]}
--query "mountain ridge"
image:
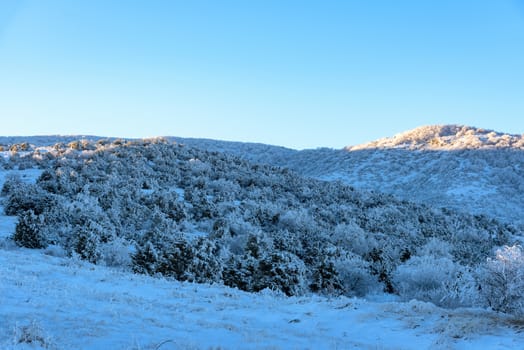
{"points": [[427, 137]]}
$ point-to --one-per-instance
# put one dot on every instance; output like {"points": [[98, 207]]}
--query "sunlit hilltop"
{"points": [[446, 137]]}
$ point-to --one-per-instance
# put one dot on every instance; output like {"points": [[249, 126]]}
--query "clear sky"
{"points": [[301, 74]]}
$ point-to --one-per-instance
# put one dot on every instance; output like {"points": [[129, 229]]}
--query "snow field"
{"points": [[50, 302]]}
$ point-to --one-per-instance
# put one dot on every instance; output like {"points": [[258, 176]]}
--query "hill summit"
{"points": [[446, 137]]}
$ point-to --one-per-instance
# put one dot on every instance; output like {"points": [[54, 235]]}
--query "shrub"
{"points": [[437, 280], [194, 261], [116, 253], [145, 259], [86, 242], [502, 281], [12, 182], [28, 232], [325, 278], [354, 275], [282, 271], [206, 265], [24, 197], [32, 336]]}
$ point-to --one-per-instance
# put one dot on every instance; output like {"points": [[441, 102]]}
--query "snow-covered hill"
{"points": [[163, 209], [489, 182], [225, 220], [44, 140], [470, 169]]}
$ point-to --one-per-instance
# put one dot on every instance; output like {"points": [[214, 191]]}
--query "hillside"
{"points": [[474, 170], [112, 209], [212, 217]]}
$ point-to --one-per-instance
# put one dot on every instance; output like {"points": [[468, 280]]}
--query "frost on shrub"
{"points": [[354, 275], [263, 227], [261, 266], [279, 271], [11, 184], [154, 254], [206, 264], [23, 197], [28, 232], [437, 248], [341, 272], [353, 238], [33, 336], [145, 260], [297, 220], [116, 253], [282, 271], [382, 265], [437, 280], [194, 261], [502, 281], [239, 272], [325, 278], [86, 242]]}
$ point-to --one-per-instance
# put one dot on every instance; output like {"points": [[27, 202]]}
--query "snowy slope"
{"points": [[255, 152], [49, 302], [475, 170], [465, 168], [52, 302]]}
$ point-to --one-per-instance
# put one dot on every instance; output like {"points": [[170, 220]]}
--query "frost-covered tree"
{"points": [[86, 241], [28, 231], [502, 281], [281, 271]]}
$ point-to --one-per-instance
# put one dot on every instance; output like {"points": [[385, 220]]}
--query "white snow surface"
{"points": [[26, 175], [52, 302]]}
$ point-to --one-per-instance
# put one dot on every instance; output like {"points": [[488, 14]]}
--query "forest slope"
{"points": [[470, 169]]}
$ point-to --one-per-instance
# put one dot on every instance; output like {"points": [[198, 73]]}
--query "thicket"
{"points": [[164, 208]]}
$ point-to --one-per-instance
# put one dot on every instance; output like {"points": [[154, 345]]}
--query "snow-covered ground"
{"points": [[26, 175], [53, 302], [7, 223]]}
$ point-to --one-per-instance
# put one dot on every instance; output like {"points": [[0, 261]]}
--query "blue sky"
{"points": [[301, 74]]}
